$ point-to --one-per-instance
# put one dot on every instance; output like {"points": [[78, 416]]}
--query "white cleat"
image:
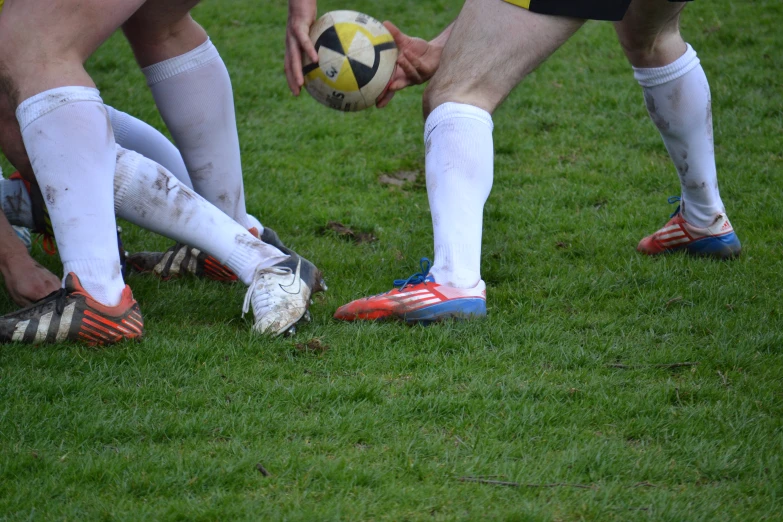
{"points": [[279, 299]]}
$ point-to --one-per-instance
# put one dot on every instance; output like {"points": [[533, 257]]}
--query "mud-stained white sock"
{"points": [[16, 203], [459, 164], [149, 196], [71, 147], [678, 100], [133, 134], [193, 94]]}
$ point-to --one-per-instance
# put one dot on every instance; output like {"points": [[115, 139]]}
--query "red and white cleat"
{"points": [[717, 240], [418, 299]]}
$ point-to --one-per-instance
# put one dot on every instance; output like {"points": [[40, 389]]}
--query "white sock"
{"points": [[133, 134], [193, 94], [129, 133], [71, 147], [459, 164], [16, 203], [678, 100], [149, 196]]}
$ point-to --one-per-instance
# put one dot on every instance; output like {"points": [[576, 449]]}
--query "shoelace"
{"points": [[257, 280], [48, 244], [674, 199], [59, 306], [59, 295], [417, 278]]}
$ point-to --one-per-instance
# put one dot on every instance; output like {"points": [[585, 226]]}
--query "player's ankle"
{"points": [[455, 279], [700, 216], [101, 279]]}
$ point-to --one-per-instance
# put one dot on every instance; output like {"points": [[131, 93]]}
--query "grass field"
{"points": [[571, 389]]}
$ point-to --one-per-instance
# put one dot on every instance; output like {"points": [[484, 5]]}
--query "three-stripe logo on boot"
{"points": [[716, 240], [673, 235], [71, 314]]}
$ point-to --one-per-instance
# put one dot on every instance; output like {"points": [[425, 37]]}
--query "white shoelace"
{"points": [[259, 282]]}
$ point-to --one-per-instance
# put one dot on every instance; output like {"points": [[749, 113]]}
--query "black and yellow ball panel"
{"points": [[356, 56]]}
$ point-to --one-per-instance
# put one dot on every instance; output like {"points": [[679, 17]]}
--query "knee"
{"points": [[155, 40], [652, 50], [635, 44], [142, 31]]}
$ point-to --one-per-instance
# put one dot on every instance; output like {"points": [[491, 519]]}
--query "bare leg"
{"points": [[11, 143], [650, 33], [29, 65], [66, 34], [492, 47], [163, 29], [65, 127], [677, 96], [192, 89]]}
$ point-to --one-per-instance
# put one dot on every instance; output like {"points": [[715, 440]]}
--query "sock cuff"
{"points": [[652, 76], [244, 260], [101, 278], [193, 59], [455, 110], [41, 104]]}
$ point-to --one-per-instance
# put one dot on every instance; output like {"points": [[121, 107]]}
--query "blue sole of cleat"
{"points": [[468, 308], [723, 247]]}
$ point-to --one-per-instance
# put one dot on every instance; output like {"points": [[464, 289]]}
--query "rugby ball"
{"points": [[356, 60]]}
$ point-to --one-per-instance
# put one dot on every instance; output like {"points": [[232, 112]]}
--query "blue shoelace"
{"points": [[419, 277], [674, 199]]}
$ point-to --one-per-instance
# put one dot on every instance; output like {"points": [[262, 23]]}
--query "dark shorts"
{"points": [[612, 10]]}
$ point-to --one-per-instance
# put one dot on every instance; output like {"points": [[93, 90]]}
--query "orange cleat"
{"points": [[71, 314]]}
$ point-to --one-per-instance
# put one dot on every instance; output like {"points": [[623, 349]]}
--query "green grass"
{"points": [[383, 424]]}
